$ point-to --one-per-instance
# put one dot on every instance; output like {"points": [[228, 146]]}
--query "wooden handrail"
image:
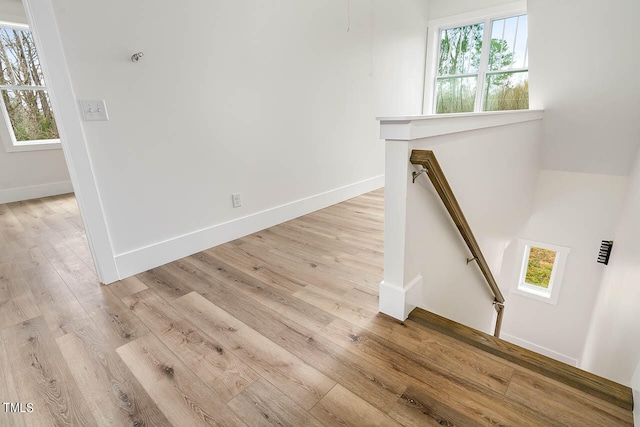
{"points": [[427, 159]]}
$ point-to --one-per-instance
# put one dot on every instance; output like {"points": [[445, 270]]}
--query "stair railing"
{"points": [[431, 168]]}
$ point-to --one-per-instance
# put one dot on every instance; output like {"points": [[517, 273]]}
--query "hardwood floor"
{"points": [[277, 328]]}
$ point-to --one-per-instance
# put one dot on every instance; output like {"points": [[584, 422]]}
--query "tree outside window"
{"points": [[25, 102], [472, 78]]}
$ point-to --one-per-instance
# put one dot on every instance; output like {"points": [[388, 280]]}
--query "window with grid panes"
{"points": [[24, 101], [483, 66]]}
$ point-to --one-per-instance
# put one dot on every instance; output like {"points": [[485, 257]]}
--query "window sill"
{"points": [[54, 144], [408, 128], [543, 295]]}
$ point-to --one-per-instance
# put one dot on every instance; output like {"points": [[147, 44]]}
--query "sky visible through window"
{"points": [[460, 68], [514, 33]]}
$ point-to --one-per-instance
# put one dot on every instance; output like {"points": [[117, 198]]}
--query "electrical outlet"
{"points": [[237, 202]]}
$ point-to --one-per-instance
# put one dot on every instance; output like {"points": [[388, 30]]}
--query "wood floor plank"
{"points": [[112, 317], [114, 396], [302, 383], [359, 376], [126, 287], [164, 284], [39, 208], [31, 257], [314, 259], [340, 234], [371, 241], [210, 359], [32, 223], [183, 398], [344, 309], [338, 253], [17, 304], [42, 378], [306, 273], [472, 400], [363, 297], [6, 254], [589, 383], [432, 359], [268, 322], [262, 404], [257, 268], [109, 314], [306, 238], [8, 392], [455, 368], [569, 408], [80, 247], [283, 302], [57, 304], [293, 309], [364, 226], [340, 407], [417, 408], [485, 409], [57, 203], [11, 229]]}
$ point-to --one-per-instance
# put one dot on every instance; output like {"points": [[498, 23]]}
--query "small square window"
{"points": [[541, 270]]}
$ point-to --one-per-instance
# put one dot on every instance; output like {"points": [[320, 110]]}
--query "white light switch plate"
{"points": [[94, 109]]}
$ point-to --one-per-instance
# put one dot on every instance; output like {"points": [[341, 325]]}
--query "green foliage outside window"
{"points": [[506, 85], [540, 267], [22, 86]]}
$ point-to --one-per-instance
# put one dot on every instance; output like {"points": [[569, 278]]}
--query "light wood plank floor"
{"points": [[277, 328]]}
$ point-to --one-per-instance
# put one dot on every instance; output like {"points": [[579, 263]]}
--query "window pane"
{"points": [[19, 60], [456, 94], [507, 91], [460, 50], [540, 266], [508, 43], [30, 114]]}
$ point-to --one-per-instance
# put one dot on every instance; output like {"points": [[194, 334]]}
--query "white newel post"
{"points": [[394, 291], [401, 290]]}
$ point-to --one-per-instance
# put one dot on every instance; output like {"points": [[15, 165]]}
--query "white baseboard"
{"points": [[538, 349], [398, 302], [35, 191], [142, 259]]}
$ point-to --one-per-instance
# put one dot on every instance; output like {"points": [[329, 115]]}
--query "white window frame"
{"points": [[6, 130], [433, 48], [551, 294]]}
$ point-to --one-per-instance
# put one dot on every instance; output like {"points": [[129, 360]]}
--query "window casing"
{"points": [[28, 122], [464, 76], [535, 280]]}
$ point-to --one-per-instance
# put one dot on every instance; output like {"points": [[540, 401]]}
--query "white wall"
{"points": [[583, 76], [613, 346], [445, 8], [475, 164], [12, 11], [28, 174], [588, 88], [578, 211], [274, 100]]}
